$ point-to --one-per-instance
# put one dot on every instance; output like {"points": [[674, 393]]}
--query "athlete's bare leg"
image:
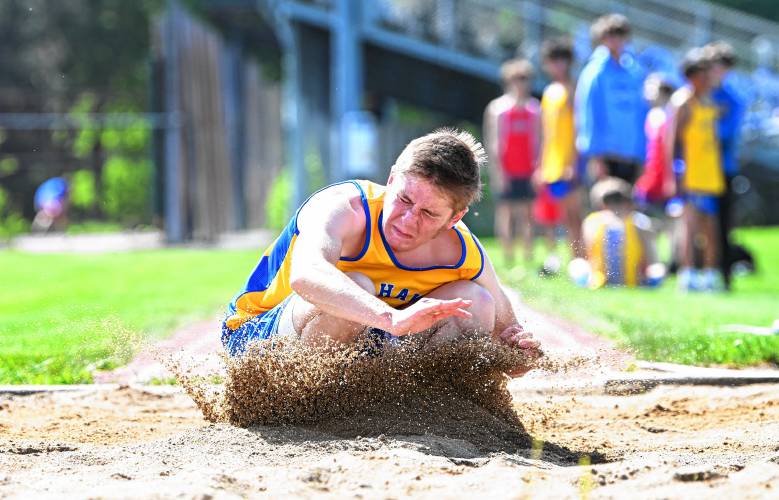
{"points": [[710, 231], [504, 229], [522, 212], [572, 206], [316, 327], [482, 321], [689, 235]]}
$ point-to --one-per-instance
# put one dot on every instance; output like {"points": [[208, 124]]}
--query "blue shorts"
{"points": [[261, 327], [266, 326], [705, 203], [560, 189]]}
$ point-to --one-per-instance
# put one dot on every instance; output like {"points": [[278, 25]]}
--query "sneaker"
{"points": [[686, 280], [711, 280]]}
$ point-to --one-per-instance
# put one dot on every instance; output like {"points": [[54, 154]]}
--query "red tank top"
{"points": [[517, 138], [652, 183]]}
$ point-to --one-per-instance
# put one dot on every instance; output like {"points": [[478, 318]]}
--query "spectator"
{"points": [[511, 133], [702, 181], [609, 106], [51, 205], [619, 241], [731, 113], [656, 184], [557, 168]]}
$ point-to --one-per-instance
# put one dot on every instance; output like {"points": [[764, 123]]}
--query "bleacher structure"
{"points": [[441, 55]]}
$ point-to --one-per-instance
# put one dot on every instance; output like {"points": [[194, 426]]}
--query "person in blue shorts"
{"points": [[360, 259], [51, 205]]}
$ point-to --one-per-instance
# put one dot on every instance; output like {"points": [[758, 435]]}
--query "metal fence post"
{"points": [[174, 226]]}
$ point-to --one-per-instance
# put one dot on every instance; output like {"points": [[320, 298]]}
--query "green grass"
{"points": [[62, 315], [664, 324]]}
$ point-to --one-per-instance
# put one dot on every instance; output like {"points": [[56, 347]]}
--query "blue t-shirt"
{"points": [[610, 109], [731, 112], [54, 189]]}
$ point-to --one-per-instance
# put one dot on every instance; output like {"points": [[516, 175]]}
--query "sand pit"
{"points": [[452, 440]]}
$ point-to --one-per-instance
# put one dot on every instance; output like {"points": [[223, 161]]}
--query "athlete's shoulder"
{"points": [[533, 105], [342, 203], [500, 104], [555, 92], [681, 97]]}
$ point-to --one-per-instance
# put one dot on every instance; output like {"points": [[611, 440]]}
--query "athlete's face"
{"points": [[519, 86], [557, 69], [415, 212]]}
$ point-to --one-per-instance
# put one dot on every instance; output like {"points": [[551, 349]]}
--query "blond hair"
{"points": [[452, 159]]}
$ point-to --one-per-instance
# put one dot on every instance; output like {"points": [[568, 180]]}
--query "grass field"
{"points": [[664, 324], [62, 315]]}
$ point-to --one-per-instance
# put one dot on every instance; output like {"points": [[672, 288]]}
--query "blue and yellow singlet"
{"points": [[615, 252], [396, 284]]}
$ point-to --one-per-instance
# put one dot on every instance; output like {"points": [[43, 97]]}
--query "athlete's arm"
{"points": [[329, 219], [677, 121], [507, 328], [491, 143]]}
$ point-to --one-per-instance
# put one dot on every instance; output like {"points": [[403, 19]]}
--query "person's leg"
{"points": [[551, 240], [687, 247], [711, 249], [482, 308], [522, 214], [504, 231], [725, 224], [316, 327], [572, 206]]}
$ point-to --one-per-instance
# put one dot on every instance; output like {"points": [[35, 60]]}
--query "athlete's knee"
{"points": [[363, 281], [482, 301]]}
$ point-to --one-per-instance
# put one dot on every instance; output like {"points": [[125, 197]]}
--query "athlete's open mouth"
{"points": [[401, 233]]}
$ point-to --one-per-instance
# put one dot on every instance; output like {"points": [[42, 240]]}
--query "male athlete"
{"points": [[389, 261], [557, 173], [511, 134], [693, 128]]}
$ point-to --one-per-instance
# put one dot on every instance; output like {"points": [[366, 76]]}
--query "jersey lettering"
{"points": [[386, 290]]}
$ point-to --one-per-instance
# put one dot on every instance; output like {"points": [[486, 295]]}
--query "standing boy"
{"points": [[511, 133], [557, 167], [702, 182], [609, 104], [731, 113], [656, 184]]}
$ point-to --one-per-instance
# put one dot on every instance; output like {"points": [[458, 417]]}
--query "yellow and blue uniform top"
{"points": [[703, 172], [615, 252], [396, 284], [559, 149]]}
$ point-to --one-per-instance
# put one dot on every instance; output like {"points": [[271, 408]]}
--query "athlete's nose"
{"points": [[409, 218]]}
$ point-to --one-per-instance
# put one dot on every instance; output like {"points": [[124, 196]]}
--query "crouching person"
{"points": [[619, 241], [388, 260]]}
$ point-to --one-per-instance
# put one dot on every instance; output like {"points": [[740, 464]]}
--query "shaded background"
{"points": [[201, 117]]}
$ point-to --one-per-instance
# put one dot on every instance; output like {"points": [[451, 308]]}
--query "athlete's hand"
{"points": [[425, 313], [516, 336], [598, 168]]}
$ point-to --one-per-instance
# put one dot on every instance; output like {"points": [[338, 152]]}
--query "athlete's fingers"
{"points": [[449, 305], [523, 336], [528, 344], [462, 313], [448, 313], [507, 334]]}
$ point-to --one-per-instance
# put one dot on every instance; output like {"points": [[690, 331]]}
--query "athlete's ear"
{"points": [[391, 176], [457, 217]]}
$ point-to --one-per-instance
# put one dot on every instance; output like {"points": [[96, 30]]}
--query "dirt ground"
{"points": [[690, 442]]}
